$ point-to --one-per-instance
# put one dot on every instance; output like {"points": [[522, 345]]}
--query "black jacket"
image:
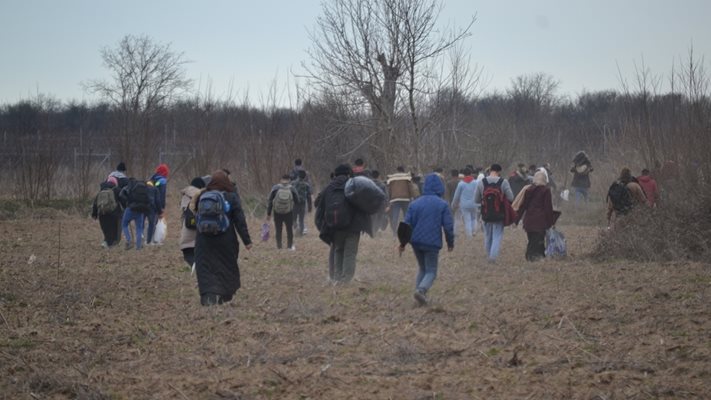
{"points": [[360, 222]]}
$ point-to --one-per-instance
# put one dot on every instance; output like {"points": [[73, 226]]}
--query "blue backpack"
{"points": [[212, 210]]}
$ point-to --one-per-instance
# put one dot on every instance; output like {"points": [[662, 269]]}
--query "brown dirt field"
{"points": [[128, 325]]}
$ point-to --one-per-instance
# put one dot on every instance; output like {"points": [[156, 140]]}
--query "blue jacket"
{"points": [[160, 182], [464, 195], [428, 215]]}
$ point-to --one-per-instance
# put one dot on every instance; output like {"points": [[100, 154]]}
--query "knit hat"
{"points": [[112, 180], [121, 167], [163, 170], [343, 169]]}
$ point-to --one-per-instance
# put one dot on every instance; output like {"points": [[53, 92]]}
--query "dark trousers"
{"points": [[536, 248], [279, 221], [189, 256], [299, 215]]}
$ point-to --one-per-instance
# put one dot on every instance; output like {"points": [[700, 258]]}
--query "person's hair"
{"points": [[227, 171], [467, 171], [521, 165], [375, 174], [301, 174], [286, 177], [416, 178], [359, 162], [625, 174], [495, 167], [645, 171], [454, 172], [219, 180], [471, 167], [439, 170], [400, 168], [297, 161]]}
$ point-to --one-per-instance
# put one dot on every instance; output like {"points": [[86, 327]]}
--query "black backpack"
{"points": [[189, 218], [338, 212], [620, 197], [138, 197], [493, 208]]}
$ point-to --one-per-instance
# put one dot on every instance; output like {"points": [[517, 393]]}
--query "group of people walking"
{"points": [[420, 212]]}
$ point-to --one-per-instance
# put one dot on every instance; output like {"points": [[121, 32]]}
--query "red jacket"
{"points": [[649, 185]]}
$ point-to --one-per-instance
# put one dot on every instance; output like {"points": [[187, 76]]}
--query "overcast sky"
{"points": [[51, 46]]}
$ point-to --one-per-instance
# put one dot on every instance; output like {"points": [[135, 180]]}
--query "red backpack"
{"points": [[493, 208]]}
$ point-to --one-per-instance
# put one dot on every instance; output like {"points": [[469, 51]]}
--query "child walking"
{"points": [[427, 217]]}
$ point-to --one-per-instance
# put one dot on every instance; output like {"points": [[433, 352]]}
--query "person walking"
{"points": [[536, 208], [340, 226], [136, 201], [281, 200], [188, 228], [159, 181], [216, 245], [649, 185], [492, 194], [464, 202], [581, 169], [107, 209], [401, 191], [303, 188], [623, 196], [428, 217]]}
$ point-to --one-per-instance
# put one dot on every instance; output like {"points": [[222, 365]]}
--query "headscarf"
{"points": [[540, 178], [220, 181], [112, 180]]}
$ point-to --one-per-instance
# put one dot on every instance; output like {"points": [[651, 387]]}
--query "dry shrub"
{"points": [[680, 230]]}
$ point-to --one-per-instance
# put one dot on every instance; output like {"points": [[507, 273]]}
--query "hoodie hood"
{"points": [[433, 185]]}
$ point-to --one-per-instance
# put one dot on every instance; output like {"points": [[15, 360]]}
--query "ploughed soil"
{"points": [[79, 321]]}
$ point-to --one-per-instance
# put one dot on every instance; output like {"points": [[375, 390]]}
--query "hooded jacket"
{"points": [[649, 185], [400, 187], [464, 194], [429, 215], [187, 236]]}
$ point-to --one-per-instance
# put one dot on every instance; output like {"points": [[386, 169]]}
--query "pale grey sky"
{"points": [[51, 46]]}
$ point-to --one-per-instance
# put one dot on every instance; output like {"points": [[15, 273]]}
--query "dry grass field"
{"points": [[82, 322]]}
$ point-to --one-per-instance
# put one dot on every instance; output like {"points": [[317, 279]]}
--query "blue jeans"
{"points": [[427, 261], [581, 195], [138, 217], [493, 233], [470, 220], [395, 208]]}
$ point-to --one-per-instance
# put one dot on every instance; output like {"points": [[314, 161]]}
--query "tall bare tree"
{"points": [[369, 52], [145, 76]]}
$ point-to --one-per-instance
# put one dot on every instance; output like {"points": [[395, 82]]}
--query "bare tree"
{"points": [[368, 51], [145, 76]]}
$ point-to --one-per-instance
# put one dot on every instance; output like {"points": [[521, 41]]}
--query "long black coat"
{"points": [[216, 256]]}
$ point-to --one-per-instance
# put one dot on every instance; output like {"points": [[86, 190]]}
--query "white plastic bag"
{"points": [[161, 231], [565, 195]]}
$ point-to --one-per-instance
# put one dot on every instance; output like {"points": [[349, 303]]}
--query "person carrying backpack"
{"points": [[107, 209], [624, 195], [188, 226], [428, 216], [219, 219], [340, 225], [282, 200], [303, 188], [464, 201], [492, 194], [401, 190], [137, 201]]}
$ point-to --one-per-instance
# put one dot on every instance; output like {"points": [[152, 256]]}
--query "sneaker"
{"points": [[128, 246], [305, 230], [292, 248], [104, 244], [420, 297]]}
